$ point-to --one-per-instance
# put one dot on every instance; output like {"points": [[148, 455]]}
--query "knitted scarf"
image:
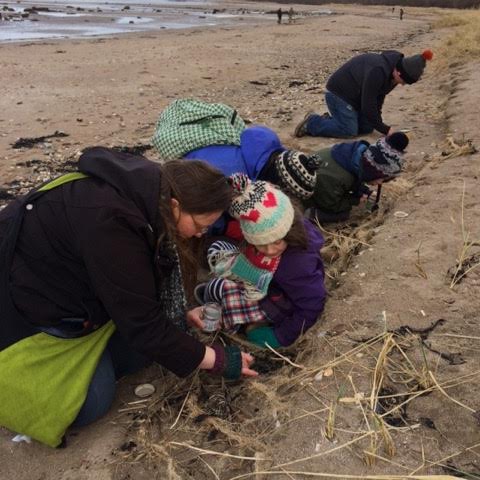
{"points": [[171, 291], [260, 260], [248, 266]]}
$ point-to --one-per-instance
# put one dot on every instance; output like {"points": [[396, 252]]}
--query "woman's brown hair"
{"points": [[199, 189], [297, 236]]}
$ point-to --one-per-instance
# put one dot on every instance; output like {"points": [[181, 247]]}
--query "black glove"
{"points": [[364, 190]]}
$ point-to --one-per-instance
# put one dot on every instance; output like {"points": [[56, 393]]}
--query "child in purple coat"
{"points": [[273, 283]]}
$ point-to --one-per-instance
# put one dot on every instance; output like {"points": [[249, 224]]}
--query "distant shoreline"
{"points": [[458, 4], [32, 21]]}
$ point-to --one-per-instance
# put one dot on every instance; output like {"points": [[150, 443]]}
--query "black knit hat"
{"points": [[297, 173], [384, 158], [411, 68], [398, 141]]}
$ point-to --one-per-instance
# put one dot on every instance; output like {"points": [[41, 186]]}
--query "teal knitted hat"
{"points": [[265, 213]]}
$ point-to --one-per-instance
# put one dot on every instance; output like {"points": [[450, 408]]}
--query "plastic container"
{"points": [[212, 316]]}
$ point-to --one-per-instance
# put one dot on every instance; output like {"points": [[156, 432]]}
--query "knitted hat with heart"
{"points": [[265, 213]]}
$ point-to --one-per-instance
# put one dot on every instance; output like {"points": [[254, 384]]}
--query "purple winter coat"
{"points": [[297, 293]]}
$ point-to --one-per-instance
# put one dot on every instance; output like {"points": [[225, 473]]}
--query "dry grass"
{"points": [[203, 446], [464, 42], [466, 261], [377, 379], [344, 241], [342, 244], [452, 148]]}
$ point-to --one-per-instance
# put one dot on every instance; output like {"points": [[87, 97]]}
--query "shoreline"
{"points": [[28, 21], [62, 20]]}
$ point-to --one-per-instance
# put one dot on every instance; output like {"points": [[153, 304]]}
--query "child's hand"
{"points": [[194, 318], [247, 360]]}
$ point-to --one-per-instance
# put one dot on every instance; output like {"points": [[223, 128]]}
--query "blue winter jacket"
{"points": [[257, 143]]}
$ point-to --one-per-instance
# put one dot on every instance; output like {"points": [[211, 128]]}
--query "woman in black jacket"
{"points": [[95, 268]]}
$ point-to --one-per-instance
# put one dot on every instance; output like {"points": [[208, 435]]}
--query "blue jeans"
{"points": [[117, 360], [344, 121]]}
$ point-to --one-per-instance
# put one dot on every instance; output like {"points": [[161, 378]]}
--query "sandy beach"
{"points": [[110, 90]]}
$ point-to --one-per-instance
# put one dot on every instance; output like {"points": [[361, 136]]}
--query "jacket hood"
{"points": [[348, 155], [257, 144], [392, 57], [132, 175]]}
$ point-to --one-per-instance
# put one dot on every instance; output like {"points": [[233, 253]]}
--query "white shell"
{"points": [[144, 390]]}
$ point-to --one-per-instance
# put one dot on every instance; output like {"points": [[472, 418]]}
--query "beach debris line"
{"points": [[138, 149], [30, 142], [5, 194]]}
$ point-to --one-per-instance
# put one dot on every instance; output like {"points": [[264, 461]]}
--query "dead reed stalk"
{"points": [[463, 265]]}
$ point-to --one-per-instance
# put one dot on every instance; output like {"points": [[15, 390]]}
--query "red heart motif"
{"points": [[270, 201], [252, 216]]}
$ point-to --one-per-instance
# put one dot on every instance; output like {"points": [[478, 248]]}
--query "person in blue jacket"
{"points": [[346, 168], [261, 156]]}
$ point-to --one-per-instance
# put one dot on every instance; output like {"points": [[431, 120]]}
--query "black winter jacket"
{"points": [[364, 81], [86, 250]]}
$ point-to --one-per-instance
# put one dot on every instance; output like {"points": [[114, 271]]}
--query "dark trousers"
{"points": [[344, 120], [117, 360]]}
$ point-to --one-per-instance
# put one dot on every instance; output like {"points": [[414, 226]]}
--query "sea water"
{"points": [[87, 18]]}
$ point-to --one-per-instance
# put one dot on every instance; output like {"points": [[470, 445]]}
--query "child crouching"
{"points": [[274, 281], [345, 169]]}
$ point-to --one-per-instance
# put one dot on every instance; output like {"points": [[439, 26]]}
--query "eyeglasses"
{"points": [[200, 228]]}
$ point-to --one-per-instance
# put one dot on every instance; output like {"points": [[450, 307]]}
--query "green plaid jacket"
{"points": [[188, 124]]}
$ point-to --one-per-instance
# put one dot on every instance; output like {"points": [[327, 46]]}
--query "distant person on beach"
{"points": [[393, 9], [271, 285], [356, 93], [401, 13], [344, 171], [279, 16], [291, 13], [97, 272]]}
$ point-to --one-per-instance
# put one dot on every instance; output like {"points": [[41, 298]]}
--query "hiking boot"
{"points": [[301, 128]]}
